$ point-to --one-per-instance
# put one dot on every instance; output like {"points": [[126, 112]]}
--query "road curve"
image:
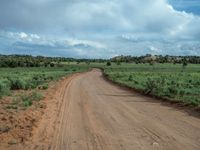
{"points": [[96, 115]]}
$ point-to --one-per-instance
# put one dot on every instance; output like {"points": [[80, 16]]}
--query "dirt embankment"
{"points": [[86, 112]]}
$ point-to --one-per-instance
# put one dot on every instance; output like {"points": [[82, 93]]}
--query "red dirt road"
{"points": [[96, 115]]}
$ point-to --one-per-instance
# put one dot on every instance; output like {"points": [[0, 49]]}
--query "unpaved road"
{"points": [[96, 115]]}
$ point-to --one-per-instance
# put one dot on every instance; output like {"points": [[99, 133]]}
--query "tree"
{"points": [[52, 64], [108, 63], [184, 63]]}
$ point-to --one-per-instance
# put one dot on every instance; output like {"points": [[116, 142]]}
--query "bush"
{"points": [[44, 86], [26, 100], [130, 78], [30, 85], [36, 96], [173, 90], [195, 102], [4, 89], [52, 64], [17, 84], [108, 63], [150, 86]]}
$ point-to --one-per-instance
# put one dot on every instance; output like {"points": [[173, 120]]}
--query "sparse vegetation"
{"points": [[25, 99], [171, 77], [31, 78], [165, 80]]}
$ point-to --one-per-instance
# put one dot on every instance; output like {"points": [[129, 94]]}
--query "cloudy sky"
{"points": [[99, 28]]}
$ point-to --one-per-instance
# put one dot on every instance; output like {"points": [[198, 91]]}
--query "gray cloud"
{"points": [[77, 28]]}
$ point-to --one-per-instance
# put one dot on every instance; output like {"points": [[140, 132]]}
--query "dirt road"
{"points": [[96, 115]]}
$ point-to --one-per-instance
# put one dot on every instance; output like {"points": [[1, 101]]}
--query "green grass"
{"points": [[32, 78], [169, 81], [163, 80], [25, 100]]}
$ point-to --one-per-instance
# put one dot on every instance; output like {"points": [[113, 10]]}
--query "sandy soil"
{"points": [[85, 112]]}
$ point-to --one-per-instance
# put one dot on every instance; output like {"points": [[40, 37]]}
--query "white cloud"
{"points": [[75, 42], [22, 36], [100, 26]]}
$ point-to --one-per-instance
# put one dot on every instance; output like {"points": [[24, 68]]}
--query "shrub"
{"points": [[150, 86], [16, 84], [130, 78], [4, 89], [181, 92], [173, 90], [195, 102], [36, 96], [44, 86], [66, 69], [108, 63], [52, 64], [26, 100]]}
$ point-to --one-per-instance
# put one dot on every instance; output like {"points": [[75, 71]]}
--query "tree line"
{"points": [[157, 59], [41, 61]]}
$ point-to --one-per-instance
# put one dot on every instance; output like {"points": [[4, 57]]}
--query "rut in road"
{"points": [[96, 115]]}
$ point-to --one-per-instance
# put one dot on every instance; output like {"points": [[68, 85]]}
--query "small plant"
{"points": [[184, 63], [52, 64], [130, 78], [44, 86], [4, 89], [108, 63], [150, 86], [17, 84], [25, 100], [36, 96]]}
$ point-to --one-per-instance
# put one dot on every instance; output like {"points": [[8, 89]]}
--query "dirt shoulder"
{"points": [[20, 127]]}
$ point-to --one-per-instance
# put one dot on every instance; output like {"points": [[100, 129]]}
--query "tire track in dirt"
{"points": [[96, 115]]}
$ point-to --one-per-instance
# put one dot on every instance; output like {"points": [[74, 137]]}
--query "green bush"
{"points": [[44, 86], [150, 86], [26, 100], [36, 96], [130, 78], [195, 102], [4, 89], [17, 84], [108, 63]]}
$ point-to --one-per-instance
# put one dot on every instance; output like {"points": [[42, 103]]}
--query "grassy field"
{"points": [[32, 78], [170, 81]]}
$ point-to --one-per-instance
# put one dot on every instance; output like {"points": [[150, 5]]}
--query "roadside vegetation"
{"points": [[31, 78], [23, 96], [176, 78], [175, 82], [24, 79]]}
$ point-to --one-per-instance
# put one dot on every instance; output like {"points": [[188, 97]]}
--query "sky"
{"points": [[100, 28]]}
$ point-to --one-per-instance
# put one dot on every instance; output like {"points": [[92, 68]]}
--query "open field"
{"points": [[23, 92], [168, 81], [84, 111], [87, 112], [32, 78], [163, 80]]}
